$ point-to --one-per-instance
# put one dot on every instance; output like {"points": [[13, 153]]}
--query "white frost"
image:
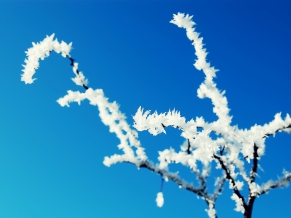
{"points": [[239, 203], [160, 199]]}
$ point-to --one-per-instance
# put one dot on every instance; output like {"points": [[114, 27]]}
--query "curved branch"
{"points": [[77, 70]]}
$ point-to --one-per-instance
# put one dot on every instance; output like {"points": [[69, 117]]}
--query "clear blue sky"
{"points": [[51, 157]]}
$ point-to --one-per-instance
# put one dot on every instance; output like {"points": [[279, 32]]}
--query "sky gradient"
{"points": [[51, 157]]}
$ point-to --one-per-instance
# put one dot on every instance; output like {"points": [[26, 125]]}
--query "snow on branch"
{"points": [[281, 182], [42, 50], [229, 151], [208, 87], [111, 116]]}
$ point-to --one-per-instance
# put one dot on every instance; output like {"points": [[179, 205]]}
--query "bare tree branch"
{"points": [[253, 172], [173, 177]]}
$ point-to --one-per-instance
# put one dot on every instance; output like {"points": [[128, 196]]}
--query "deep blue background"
{"points": [[51, 157]]}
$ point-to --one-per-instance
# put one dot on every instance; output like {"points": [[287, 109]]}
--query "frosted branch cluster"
{"points": [[230, 151], [232, 145]]}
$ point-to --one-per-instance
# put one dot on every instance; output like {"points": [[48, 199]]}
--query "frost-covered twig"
{"points": [[282, 129], [281, 182], [220, 181]]}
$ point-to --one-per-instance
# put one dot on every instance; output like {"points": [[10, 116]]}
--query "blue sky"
{"points": [[51, 157]]}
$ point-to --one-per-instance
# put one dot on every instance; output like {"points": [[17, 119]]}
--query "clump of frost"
{"points": [[160, 199], [239, 203], [211, 211]]}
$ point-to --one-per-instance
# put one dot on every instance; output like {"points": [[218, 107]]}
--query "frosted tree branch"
{"points": [[230, 151]]}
